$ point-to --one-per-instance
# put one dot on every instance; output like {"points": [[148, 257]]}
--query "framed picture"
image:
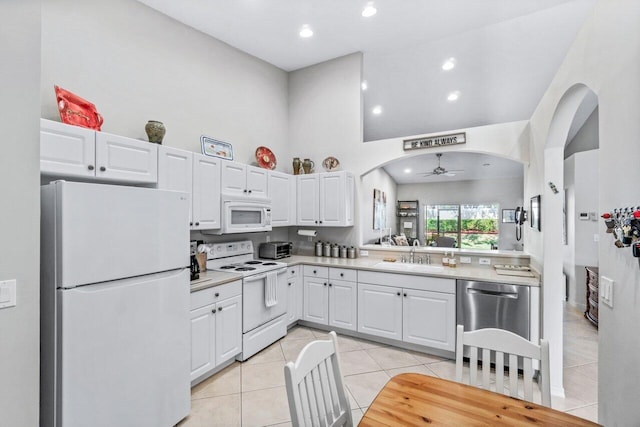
{"points": [[214, 148], [379, 209], [535, 212], [508, 215]]}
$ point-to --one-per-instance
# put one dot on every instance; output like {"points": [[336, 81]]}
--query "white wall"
{"points": [[581, 180], [507, 192], [136, 64], [605, 58], [381, 180], [587, 137], [20, 213]]}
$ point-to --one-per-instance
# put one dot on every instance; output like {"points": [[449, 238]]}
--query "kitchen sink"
{"points": [[404, 266]]}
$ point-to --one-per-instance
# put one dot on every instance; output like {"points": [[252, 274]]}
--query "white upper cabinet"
{"points": [[125, 159], [282, 192], [67, 150], [73, 151], [326, 199], [243, 180], [206, 192], [199, 177]]}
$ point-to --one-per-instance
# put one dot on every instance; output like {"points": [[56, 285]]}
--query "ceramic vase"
{"points": [[307, 165], [296, 165], [155, 131]]}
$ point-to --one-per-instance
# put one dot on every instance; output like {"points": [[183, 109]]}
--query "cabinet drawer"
{"points": [[215, 294], [343, 274], [421, 283], [315, 271], [292, 272]]}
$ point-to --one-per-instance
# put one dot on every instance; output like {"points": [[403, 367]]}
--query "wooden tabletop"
{"points": [[420, 400]]}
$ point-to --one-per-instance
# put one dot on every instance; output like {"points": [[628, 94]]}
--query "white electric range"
{"points": [[264, 293]]}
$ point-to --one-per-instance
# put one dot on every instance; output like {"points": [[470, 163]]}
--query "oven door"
{"points": [[256, 297], [245, 217]]}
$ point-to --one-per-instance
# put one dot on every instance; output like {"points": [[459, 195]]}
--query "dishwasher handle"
{"points": [[512, 295]]}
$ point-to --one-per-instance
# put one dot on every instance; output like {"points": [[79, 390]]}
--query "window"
{"points": [[472, 226]]}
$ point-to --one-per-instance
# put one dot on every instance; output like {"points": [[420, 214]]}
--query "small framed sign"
{"points": [[214, 148], [434, 141], [508, 215], [535, 213]]}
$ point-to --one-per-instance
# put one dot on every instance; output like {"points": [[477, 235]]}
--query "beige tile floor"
{"points": [[253, 393]]}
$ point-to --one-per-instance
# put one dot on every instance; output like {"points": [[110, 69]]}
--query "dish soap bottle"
{"points": [[445, 260]]}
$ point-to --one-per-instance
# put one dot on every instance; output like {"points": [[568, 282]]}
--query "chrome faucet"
{"points": [[413, 250]]}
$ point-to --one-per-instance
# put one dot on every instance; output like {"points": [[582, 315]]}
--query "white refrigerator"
{"points": [[115, 334]]}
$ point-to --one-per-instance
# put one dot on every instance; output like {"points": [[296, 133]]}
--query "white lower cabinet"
{"points": [[429, 318], [216, 327], [294, 295], [380, 311], [421, 312], [330, 297]]}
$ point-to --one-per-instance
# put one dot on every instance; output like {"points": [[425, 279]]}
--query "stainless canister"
{"points": [[318, 248], [343, 251], [326, 249], [351, 252], [335, 251]]}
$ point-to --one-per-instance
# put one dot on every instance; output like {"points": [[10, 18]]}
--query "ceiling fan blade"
{"points": [[426, 173], [449, 173], [456, 171]]}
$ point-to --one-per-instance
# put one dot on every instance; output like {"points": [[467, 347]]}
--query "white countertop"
{"points": [[441, 250], [213, 278], [485, 274]]}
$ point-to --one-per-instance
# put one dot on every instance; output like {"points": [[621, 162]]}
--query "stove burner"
{"points": [[245, 268], [269, 263], [227, 267], [254, 262]]}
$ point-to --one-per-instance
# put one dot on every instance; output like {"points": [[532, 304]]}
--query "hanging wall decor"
{"points": [[379, 209]]}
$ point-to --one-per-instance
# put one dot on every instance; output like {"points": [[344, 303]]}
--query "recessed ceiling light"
{"points": [[369, 10], [453, 96], [407, 170], [449, 64], [306, 32], [364, 85], [377, 110]]}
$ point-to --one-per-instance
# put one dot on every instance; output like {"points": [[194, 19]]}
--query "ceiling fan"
{"points": [[440, 170]]}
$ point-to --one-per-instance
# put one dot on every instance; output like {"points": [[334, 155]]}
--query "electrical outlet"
{"points": [[606, 290], [484, 261], [364, 253], [268, 238], [7, 293], [465, 260]]}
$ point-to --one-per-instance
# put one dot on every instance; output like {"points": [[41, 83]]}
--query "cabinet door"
{"points": [[307, 200], [282, 192], [257, 182], [429, 319], [349, 199], [292, 300], [316, 300], [380, 310], [206, 192], [203, 330], [228, 329], [343, 306], [332, 199], [67, 150], [125, 159], [175, 172], [234, 179]]}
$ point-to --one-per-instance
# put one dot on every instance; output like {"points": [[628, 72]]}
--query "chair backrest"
{"points": [[314, 386], [445, 242], [502, 342]]}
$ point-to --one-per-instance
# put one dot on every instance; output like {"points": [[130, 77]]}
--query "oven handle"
{"points": [[493, 293]]}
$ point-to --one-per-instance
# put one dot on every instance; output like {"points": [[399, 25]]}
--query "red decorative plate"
{"points": [[77, 111], [265, 158]]}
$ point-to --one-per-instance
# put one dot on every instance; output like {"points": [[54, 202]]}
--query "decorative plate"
{"points": [[330, 164], [265, 158], [77, 111]]}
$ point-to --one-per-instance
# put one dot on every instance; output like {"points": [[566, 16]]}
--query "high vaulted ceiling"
{"points": [[506, 51]]}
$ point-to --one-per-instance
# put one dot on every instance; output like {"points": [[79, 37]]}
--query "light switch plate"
{"points": [[364, 253], [465, 260], [484, 261], [605, 289], [7, 293]]}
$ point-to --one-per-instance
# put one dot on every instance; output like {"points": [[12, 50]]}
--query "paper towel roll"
{"points": [[311, 233]]}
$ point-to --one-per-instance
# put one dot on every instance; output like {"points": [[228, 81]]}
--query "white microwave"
{"points": [[245, 216]]}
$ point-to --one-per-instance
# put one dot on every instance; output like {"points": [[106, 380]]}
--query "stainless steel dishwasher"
{"points": [[493, 305]]}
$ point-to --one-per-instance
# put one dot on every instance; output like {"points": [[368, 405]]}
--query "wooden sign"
{"points": [[435, 141]]}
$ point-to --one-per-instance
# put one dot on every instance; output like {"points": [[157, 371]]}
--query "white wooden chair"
{"points": [[501, 342], [314, 386]]}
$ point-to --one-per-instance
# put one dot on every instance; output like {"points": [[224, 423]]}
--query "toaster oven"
{"points": [[275, 250]]}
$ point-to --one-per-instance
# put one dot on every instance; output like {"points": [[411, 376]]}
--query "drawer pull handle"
{"points": [[102, 168], [341, 274], [217, 294], [219, 308], [90, 167], [398, 294]]}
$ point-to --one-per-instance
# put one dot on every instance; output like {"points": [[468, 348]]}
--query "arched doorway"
{"points": [[553, 290]]}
